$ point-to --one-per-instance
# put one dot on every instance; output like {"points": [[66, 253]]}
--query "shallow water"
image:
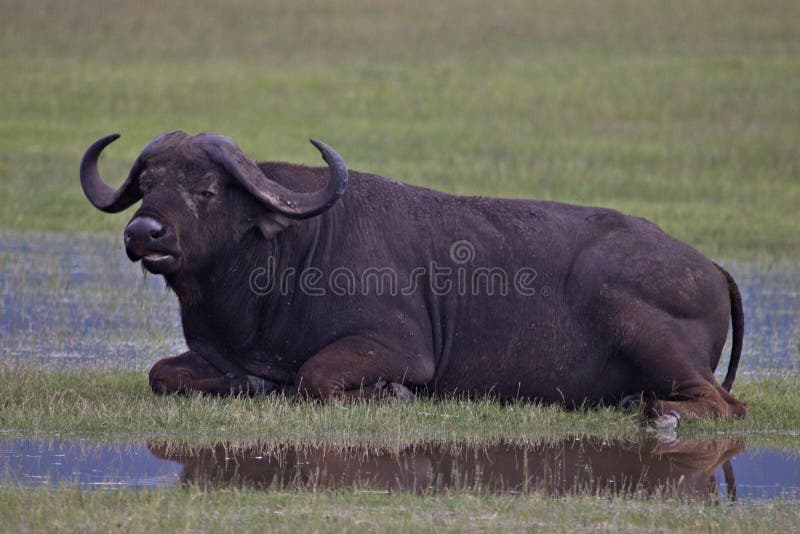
{"points": [[77, 300], [70, 300], [720, 469]]}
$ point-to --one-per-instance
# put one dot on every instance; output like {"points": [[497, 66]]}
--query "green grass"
{"points": [[119, 404], [682, 112], [236, 511]]}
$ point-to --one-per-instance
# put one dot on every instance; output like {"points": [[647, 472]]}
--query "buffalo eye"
{"points": [[207, 195]]}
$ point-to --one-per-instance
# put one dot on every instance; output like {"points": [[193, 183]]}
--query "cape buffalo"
{"points": [[286, 282]]}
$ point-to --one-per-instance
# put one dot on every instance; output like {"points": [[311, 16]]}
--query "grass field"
{"points": [[237, 511], [684, 112]]}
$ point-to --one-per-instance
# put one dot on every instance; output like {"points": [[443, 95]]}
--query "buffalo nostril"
{"points": [[143, 230]]}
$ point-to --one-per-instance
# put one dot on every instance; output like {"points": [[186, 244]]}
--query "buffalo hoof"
{"points": [[668, 421], [395, 390], [259, 386], [631, 403], [666, 427], [400, 392]]}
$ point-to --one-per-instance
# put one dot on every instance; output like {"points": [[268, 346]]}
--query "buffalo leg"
{"points": [[683, 389], [189, 373], [674, 360], [698, 399], [356, 367]]}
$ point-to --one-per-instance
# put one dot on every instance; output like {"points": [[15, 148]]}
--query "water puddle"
{"points": [[77, 300], [718, 469]]}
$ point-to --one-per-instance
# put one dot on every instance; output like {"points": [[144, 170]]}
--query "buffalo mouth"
{"points": [[156, 261]]}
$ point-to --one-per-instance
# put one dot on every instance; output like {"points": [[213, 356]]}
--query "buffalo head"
{"points": [[200, 194]]}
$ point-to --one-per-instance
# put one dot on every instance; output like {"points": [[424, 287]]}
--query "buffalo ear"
{"points": [[271, 224]]}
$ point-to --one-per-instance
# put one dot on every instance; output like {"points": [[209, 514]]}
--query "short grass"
{"points": [[119, 404], [683, 112], [193, 510]]}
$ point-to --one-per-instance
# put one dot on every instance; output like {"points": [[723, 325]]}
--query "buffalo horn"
{"points": [[100, 194], [292, 204]]}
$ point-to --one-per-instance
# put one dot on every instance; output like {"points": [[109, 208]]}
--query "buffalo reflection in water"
{"points": [[685, 467]]}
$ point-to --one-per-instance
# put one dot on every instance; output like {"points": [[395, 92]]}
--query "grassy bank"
{"points": [[236, 511], [120, 404], [682, 112]]}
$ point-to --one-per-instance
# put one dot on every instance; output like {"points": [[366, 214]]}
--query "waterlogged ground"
{"points": [[699, 469], [76, 300]]}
